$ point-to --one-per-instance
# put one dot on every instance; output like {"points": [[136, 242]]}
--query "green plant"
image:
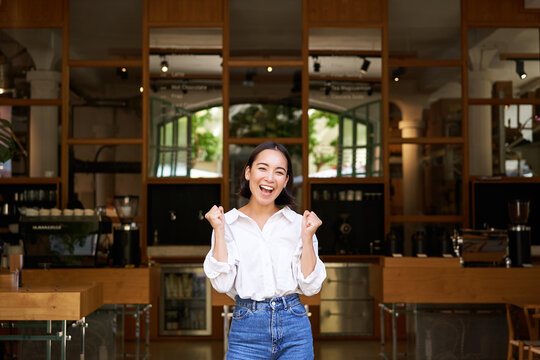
{"points": [[320, 158], [205, 145]]}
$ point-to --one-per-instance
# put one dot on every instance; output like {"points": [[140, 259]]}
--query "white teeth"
{"points": [[267, 188]]}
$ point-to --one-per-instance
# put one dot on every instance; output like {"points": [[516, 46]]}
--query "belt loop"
{"points": [[254, 305], [284, 302]]}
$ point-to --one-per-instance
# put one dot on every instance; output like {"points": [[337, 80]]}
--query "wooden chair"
{"points": [[522, 329], [533, 350]]}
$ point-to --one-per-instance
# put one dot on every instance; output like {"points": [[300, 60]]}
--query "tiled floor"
{"points": [[213, 350]]}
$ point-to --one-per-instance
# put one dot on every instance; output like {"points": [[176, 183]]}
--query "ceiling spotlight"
{"points": [[316, 64], [122, 73], [141, 89], [327, 88], [396, 75], [370, 90], [269, 69], [365, 66], [164, 66], [520, 69], [249, 78]]}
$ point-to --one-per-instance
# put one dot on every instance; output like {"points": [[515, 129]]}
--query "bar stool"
{"points": [[534, 350], [518, 337]]}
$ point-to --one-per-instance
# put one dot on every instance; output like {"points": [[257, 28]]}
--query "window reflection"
{"points": [[514, 141], [185, 143], [426, 180], [264, 120]]}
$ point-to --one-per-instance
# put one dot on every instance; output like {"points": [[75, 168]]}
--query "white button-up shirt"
{"points": [[265, 263]]}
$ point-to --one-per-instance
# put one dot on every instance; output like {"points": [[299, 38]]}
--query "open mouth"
{"points": [[266, 189]]}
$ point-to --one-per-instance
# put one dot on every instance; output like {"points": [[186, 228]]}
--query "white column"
{"points": [[480, 132], [44, 130], [411, 155], [411, 160]]}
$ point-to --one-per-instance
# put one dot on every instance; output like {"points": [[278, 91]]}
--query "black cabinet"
{"points": [[176, 213], [352, 215]]}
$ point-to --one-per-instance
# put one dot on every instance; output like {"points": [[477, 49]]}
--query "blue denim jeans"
{"points": [[271, 329]]}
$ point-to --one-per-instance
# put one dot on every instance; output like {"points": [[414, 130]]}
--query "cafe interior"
{"points": [[414, 132]]}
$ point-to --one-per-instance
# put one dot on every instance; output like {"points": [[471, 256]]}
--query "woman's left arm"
{"points": [[308, 259], [312, 270]]}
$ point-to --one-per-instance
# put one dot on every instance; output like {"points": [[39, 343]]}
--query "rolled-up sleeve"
{"points": [[311, 284], [222, 274]]}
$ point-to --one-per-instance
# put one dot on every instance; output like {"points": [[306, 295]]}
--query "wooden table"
{"points": [[41, 302], [411, 280], [121, 287], [444, 281]]}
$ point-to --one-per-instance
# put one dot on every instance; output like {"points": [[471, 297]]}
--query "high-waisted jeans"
{"points": [[271, 329]]}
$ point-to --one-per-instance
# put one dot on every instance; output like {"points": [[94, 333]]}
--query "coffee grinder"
{"points": [[519, 234], [126, 250]]}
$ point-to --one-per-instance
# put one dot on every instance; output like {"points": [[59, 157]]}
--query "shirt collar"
{"points": [[234, 214]]}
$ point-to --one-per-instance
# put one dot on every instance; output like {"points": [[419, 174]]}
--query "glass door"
{"points": [[185, 302]]}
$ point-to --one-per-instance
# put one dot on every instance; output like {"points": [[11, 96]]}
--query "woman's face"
{"points": [[267, 176]]}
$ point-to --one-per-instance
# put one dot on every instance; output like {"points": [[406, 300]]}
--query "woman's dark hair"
{"points": [[285, 198]]}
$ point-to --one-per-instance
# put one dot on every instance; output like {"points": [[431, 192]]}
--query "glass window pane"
{"points": [[498, 56], [346, 168], [424, 30], [118, 31], [239, 155], [190, 89], [103, 171], [265, 104], [257, 29], [24, 51], [180, 159], [168, 129], [432, 99], [345, 86], [37, 129], [361, 134], [426, 180], [182, 132], [106, 102], [504, 140], [348, 132]]}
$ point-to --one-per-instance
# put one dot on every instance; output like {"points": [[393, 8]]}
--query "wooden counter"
{"points": [[120, 285], [443, 281], [49, 302]]}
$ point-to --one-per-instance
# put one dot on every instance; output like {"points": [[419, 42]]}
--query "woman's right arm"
{"points": [[220, 263], [216, 218]]}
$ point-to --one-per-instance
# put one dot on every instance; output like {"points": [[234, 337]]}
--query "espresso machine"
{"points": [[126, 250], [519, 233]]}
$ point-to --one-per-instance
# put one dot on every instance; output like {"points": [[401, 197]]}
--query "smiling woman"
{"points": [[263, 255]]}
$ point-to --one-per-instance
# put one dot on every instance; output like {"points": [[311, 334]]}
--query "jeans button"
{"points": [[273, 303]]}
